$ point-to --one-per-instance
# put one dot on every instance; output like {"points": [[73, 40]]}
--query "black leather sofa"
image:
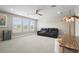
{"points": [[49, 32]]}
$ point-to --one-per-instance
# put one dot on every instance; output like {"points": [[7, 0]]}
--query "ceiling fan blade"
{"points": [[40, 14], [36, 11], [53, 5]]}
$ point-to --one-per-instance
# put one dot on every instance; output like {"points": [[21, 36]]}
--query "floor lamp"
{"points": [[70, 19]]}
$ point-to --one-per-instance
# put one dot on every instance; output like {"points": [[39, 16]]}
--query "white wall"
{"points": [[53, 22], [77, 28], [77, 21]]}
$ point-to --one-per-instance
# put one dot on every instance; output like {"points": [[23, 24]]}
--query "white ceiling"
{"points": [[29, 10]]}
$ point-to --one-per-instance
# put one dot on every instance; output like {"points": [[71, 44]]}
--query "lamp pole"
{"points": [[74, 26], [69, 28]]}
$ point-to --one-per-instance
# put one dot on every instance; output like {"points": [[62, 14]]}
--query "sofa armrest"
{"points": [[38, 32]]}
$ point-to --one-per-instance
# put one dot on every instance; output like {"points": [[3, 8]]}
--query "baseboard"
{"points": [[22, 35]]}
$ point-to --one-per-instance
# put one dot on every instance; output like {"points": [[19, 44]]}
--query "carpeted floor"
{"points": [[28, 44]]}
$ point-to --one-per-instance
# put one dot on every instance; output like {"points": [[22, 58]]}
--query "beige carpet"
{"points": [[28, 44]]}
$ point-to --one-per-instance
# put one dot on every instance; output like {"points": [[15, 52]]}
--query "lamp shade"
{"points": [[70, 18]]}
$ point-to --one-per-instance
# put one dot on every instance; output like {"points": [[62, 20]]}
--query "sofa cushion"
{"points": [[52, 30], [44, 29]]}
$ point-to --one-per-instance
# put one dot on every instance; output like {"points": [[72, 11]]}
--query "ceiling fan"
{"points": [[38, 10]]}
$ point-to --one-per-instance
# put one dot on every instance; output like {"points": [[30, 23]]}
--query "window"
{"points": [[32, 25], [17, 25], [25, 25]]}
